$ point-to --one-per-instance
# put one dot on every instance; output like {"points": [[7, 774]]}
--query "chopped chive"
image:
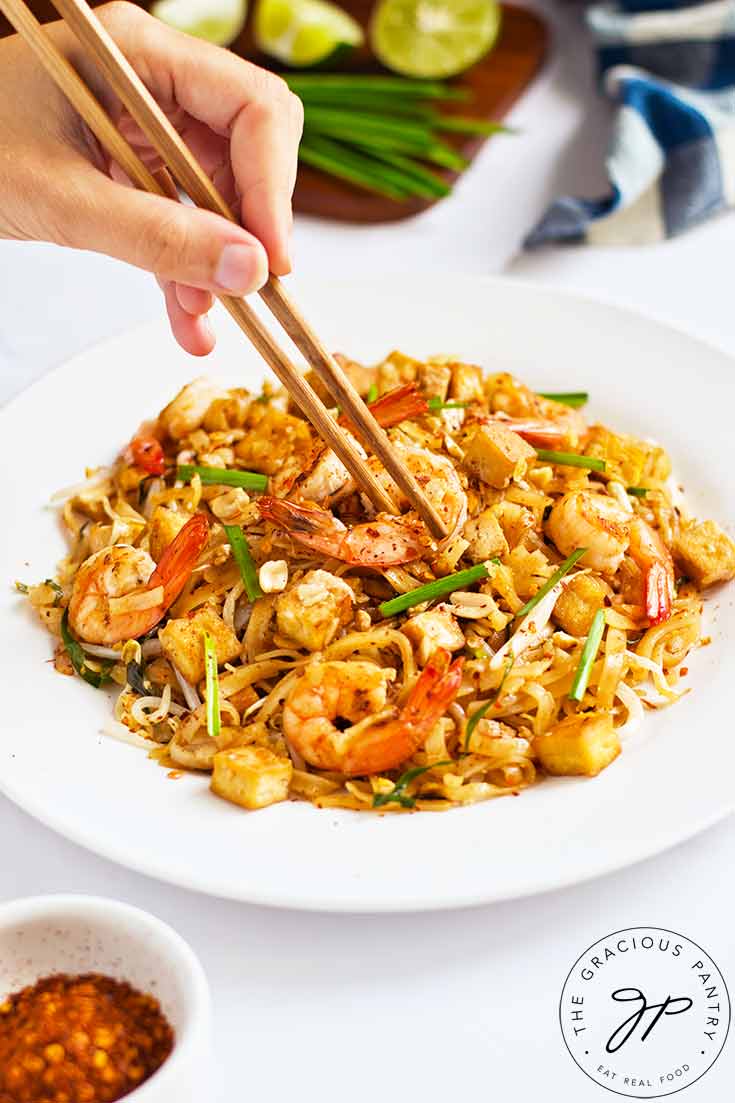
{"points": [[575, 399], [243, 558], [335, 163], [478, 714], [220, 476], [571, 459], [438, 588], [398, 792], [637, 491], [212, 686], [78, 658], [589, 654], [372, 395], [563, 569], [460, 124], [435, 403], [22, 587]]}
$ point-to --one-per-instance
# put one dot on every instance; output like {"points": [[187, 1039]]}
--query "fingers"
{"points": [[236, 99], [175, 241], [190, 328]]}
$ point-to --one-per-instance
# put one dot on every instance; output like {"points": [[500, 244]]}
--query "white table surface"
{"points": [[453, 1004]]}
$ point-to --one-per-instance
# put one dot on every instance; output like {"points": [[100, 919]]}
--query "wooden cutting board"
{"points": [[495, 83]]}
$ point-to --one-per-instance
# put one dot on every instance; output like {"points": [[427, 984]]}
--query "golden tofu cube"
{"points": [[396, 370], [165, 524], [705, 553], [252, 777], [466, 384], [312, 612], [431, 629], [182, 642], [577, 604], [486, 537], [434, 378], [578, 745], [495, 455]]}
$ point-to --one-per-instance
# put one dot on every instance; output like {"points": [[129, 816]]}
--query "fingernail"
{"points": [[238, 270]]}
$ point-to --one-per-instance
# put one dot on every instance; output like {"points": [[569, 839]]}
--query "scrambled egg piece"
{"points": [[252, 777], [432, 629], [579, 745], [313, 611], [706, 553], [495, 455], [181, 640]]}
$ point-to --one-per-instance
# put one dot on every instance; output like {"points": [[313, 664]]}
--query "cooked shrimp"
{"points": [[186, 411], [539, 420], [582, 519], [327, 479], [565, 431], [384, 542], [328, 693], [436, 475], [120, 594]]}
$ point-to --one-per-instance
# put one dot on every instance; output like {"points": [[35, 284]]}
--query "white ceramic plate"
{"points": [[673, 779]]}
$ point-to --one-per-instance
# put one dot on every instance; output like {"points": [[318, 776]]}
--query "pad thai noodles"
{"points": [[258, 620]]}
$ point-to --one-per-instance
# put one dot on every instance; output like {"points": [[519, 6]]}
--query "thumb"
{"points": [[173, 240]]}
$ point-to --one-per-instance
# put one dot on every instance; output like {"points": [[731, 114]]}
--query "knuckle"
{"points": [[164, 245], [119, 14]]}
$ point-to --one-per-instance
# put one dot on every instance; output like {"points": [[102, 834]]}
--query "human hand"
{"points": [[241, 122]]}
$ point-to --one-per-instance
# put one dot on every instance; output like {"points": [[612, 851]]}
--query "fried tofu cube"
{"points": [[578, 745], [312, 612], [431, 629], [577, 604], [165, 524], [181, 640], [466, 384], [252, 777], [434, 379], [705, 553], [495, 455], [396, 370], [486, 537]]}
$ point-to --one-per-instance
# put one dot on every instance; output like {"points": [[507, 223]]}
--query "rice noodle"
{"points": [[632, 703], [101, 652], [191, 696]]}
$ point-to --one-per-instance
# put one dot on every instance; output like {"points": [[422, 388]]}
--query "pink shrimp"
{"points": [[353, 691], [385, 541], [120, 594]]}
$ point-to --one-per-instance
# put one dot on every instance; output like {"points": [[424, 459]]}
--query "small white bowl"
{"points": [[87, 934]]}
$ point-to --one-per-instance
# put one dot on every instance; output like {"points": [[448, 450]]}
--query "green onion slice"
{"points": [[571, 459], [575, 399], [372, 395], [563, 569], [22, 587], [398, 792], [212, 688], [219, 476], [438, 588], [78, 657], [589, 654], [243, 558], [478, 714], [637, 491], [436, 403]]}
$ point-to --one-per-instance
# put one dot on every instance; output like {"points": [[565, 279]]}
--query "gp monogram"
{"points": [[645, 1012]]}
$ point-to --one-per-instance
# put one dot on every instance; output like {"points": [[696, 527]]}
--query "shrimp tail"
{"points": [[387, 745], [659, 593], [179, 558], [394, 406]]}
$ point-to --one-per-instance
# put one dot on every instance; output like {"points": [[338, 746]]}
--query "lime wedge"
{"points": [[433, 38], [217, 21], [304, 32]]}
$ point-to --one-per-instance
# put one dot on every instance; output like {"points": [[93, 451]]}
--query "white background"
{"points": [[460, 1004]]}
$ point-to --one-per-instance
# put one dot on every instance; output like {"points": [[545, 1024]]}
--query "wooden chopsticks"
{"points": [[192, 179]]}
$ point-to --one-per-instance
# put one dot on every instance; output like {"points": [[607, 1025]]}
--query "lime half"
{"points": [[304, 32], [217, 21], [433, 38]]}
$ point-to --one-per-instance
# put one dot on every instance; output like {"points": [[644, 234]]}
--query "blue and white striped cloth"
{"points": [[671, 164]]}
